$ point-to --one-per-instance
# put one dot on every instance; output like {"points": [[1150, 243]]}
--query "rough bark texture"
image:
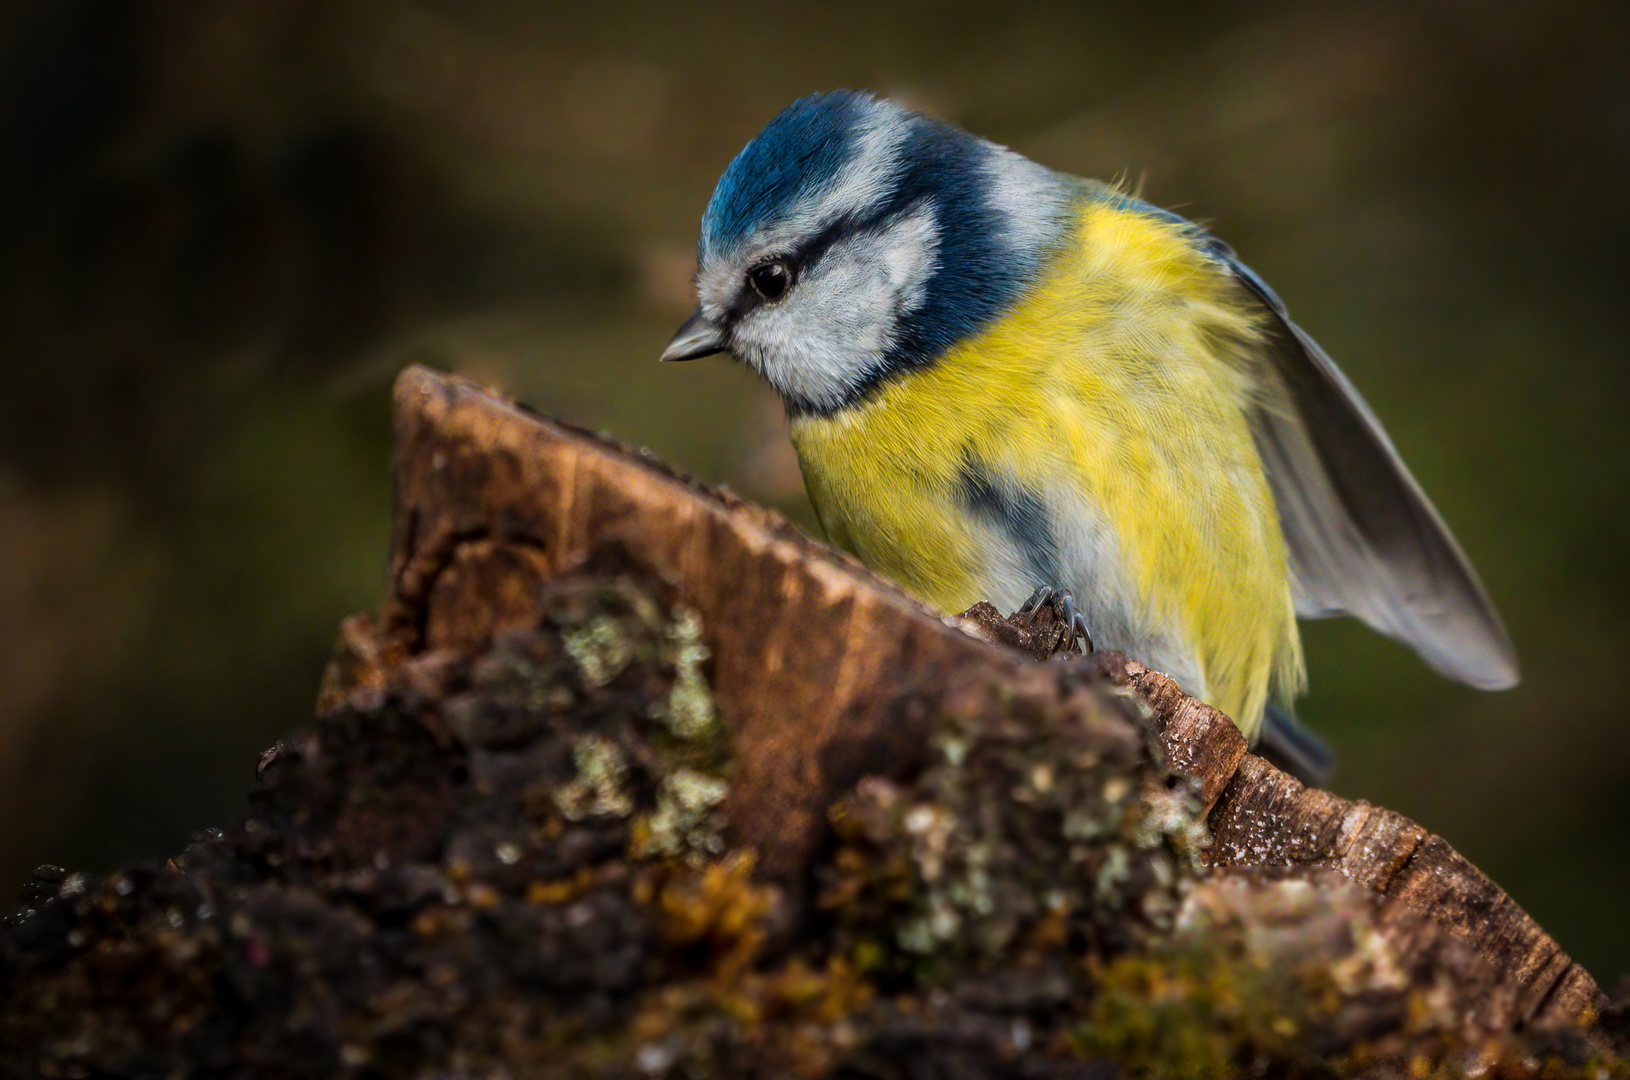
{"points": [[632, 778], [1263, 817]]}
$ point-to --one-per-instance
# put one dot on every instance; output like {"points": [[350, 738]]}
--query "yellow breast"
{"points": [[1114, 399]]}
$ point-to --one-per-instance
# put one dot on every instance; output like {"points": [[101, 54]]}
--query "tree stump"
{"points": [[630, 777]]}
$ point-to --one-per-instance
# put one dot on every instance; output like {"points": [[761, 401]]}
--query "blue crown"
{"points": [[799, 151], [981, 267]]}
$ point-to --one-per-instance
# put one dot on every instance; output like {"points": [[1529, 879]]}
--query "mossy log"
{"points": [[632, 778]]}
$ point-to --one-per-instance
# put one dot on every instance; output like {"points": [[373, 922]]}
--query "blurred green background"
{"points": [[224, 226]]}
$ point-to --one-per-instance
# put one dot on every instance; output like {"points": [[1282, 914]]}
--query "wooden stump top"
{"points": [[822, 666]]}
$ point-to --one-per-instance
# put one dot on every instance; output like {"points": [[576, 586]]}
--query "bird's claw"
{"points": [[1080, 627], [1032, 607], [1063, 605], [1075, 625]]}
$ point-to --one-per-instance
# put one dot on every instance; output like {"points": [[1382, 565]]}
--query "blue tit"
{"points": [[999, 376]]}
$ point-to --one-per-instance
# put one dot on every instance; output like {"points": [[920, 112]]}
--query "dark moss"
{"points": [[421, 860], [514, 864]]}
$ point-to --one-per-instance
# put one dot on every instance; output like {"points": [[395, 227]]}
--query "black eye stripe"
{"points": [[847, 225], [813, 248], [844, 227]]}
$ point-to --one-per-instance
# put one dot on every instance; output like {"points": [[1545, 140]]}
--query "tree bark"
{"points": [[631, 777]]}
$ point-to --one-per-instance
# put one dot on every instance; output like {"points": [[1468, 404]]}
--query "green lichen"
{"points": [[1024, 827], [689, 713], [1194, 1010], [600, 786], [615, 633], [603, 649], [686, 823]]}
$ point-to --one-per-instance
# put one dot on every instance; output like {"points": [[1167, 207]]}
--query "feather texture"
{"points": [[1363, 537], [1000, 377], [1099, 432]]}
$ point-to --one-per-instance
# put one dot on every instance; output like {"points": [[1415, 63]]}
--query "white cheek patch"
{"points": [[831, 331]]}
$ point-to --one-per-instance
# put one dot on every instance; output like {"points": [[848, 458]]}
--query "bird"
{"points": [[1000, 378]]}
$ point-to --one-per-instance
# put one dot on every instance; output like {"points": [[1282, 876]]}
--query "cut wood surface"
{"points": [[1264, 817], [822, 667]]}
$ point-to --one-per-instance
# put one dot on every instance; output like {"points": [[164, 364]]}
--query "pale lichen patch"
{"points": [[686, 823], [600, 786], [690, 712], [602, 649]]}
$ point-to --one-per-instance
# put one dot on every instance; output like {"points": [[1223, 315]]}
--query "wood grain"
{"points": [[821, 665], [1263, 817], [478, 479]]}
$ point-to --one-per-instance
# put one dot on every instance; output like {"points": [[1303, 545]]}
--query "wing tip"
{"points": [[1506, 677], [1489, 664]]}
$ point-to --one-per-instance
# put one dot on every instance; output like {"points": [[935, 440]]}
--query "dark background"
{"points": [[224, 226]]}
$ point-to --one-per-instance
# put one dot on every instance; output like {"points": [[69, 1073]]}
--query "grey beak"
{"points": [[696, 337]]}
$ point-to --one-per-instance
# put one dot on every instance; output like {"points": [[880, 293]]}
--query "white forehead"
{"points": [[865, 179]]}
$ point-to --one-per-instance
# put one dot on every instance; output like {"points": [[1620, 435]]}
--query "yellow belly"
{"points": [[1114, 399]]}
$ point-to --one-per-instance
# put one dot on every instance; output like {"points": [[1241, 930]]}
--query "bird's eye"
{"points": [[771, 280]]}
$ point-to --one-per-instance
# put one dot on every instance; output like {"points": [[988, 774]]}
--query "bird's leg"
{"points": [[1062, 606]]}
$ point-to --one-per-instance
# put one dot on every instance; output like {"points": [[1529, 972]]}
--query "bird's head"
{"points": [[853, 240]]}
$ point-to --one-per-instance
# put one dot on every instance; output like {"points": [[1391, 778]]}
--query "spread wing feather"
{"points": [[1363, 537]]}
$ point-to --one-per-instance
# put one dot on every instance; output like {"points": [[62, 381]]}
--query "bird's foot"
{"points": [[1046, 626], [1061, 606]]}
